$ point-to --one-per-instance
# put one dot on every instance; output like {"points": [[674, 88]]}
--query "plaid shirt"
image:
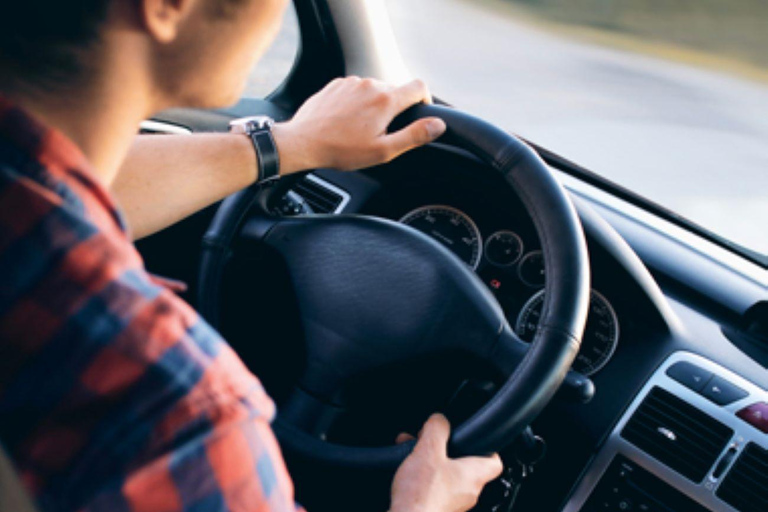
{"points": [[114, 394]]}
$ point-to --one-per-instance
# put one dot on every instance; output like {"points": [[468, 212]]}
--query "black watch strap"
{"points": [[266, 151]]}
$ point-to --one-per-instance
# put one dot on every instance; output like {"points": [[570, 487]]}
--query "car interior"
{"points": [[458, 278]]}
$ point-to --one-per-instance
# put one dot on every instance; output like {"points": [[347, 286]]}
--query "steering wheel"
{"points": [[374, 293]]}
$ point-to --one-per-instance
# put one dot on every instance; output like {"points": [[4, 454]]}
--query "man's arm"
{"points": [[168, 177], [165, 178]]}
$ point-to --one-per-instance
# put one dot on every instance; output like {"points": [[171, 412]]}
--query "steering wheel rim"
{"points": [[534, 375]]}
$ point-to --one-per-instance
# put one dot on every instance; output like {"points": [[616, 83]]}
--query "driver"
{"points": [[114, 394]]}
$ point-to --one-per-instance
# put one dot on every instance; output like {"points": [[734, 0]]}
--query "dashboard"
{"points": [[651, 440], [678, 422], [692, 440]]}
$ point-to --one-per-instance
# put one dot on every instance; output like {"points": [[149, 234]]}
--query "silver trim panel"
{"points": [[162, 127], [703, 493]]}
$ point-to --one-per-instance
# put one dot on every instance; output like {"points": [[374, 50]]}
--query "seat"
{"points": [[13, 496]]}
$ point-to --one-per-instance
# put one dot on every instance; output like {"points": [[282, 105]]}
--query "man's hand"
{"points": [[429, 481], [166, 178], [344, 126]]}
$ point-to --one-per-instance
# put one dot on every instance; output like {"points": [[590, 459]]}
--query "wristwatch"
{"points": [[259, 129]]}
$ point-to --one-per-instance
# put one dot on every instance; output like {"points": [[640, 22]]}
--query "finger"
{"points": [[410, 94], [404, 437], [484, 469], [414, 135], [435, 434]]}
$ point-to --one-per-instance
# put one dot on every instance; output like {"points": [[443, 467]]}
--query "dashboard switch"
{"points": [[689, 375], [725, 461], [756, 415], [723, 392]]}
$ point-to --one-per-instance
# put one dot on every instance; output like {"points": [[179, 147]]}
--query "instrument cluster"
{"points": [[516, 275]]}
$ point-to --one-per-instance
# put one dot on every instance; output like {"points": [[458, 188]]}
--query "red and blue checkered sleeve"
{"points": [[114, 394], [213, 451]]}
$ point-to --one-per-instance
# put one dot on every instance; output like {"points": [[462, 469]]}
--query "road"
{"points": [[691, 139]]}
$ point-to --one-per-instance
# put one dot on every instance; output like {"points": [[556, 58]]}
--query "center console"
{"points": [[695, 439]]}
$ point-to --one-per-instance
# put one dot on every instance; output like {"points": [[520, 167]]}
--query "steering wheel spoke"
{"points": [[256, 228], [308, 413], [508, 352]]}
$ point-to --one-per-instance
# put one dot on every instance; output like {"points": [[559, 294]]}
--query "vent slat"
{"points": [[746, 490], [745, 487], [318, 197], [705, 436], [759, 465], [664, 446], [677, 434], [755, 474], [690, 435]]}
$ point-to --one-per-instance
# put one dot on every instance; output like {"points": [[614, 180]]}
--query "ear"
{"points": [[163, 18]]}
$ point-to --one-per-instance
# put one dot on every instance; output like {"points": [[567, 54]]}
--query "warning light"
{"points": [[495, 284]]}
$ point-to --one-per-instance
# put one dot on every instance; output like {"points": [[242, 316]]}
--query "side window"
{"points": [[275, 65]]}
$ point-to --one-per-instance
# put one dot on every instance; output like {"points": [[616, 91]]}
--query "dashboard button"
{"points": [[725, 461], [756, 415], [689, 375], [723, 392]]}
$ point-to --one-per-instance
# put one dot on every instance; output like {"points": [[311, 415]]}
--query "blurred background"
{"points": [[668, 98]]}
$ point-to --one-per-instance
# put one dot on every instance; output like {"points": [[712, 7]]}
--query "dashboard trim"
{"points": [[345, 196], [154, 126], [704, 492], [715, 253]]}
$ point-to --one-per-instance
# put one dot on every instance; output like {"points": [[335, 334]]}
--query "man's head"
{"points": [[187, 52]]}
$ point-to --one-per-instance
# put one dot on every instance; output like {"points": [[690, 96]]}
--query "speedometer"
{"points": [[600, 336], [451, 227]]}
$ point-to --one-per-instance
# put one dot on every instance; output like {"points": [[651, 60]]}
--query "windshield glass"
{"points": [[669, 99], [277, 62]]}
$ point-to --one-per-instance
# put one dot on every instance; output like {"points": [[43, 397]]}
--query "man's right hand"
{"points": [[430, 481]]}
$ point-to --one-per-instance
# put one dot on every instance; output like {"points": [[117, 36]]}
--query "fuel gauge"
{"points": [[531, 269], [503, 248]]}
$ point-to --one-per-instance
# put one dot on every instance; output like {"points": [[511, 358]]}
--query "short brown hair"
{"points": [[43, 42]]}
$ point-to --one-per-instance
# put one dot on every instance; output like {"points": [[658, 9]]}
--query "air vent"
{"points": [[746, 486], [157, 127], [677, 434], [321, 196]]}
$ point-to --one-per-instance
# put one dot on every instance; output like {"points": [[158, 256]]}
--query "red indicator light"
{"points": [[495, 284]]}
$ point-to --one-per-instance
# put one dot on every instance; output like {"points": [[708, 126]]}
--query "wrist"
{"points": [[295, 156], [241, 145]]}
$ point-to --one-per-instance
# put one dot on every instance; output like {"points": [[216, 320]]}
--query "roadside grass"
{"points": [[725, 35]]}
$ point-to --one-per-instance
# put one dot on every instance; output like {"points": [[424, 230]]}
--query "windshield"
{"points": [[668, 99]]}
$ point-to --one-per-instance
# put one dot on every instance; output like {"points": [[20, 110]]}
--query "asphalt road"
{"points": [[691, 139]]}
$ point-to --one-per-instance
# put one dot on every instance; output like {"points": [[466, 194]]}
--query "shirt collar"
{"points": [[38, 141], [54, 150]]}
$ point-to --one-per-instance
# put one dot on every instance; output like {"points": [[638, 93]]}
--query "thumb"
{"points": [[435, 434], [414, 135], [404, 437]]}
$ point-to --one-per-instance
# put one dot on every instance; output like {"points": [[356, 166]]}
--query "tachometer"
{"points": [[600, 336], [451, 227]]}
